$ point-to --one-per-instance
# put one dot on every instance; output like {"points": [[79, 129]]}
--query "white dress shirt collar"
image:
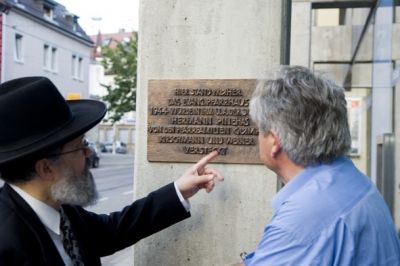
{"points": [[49, 216]]}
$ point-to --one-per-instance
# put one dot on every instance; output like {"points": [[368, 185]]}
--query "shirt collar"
{"points": [[49, 216], [299, 180]]}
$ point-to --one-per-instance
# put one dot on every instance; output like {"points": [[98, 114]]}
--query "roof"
{"points": [[61, 18], [110, 40]]}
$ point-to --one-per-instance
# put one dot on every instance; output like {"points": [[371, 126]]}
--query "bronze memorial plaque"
{"points": [[189, 118]]}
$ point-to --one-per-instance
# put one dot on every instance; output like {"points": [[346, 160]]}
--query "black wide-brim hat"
{"points": [[35, 117]]}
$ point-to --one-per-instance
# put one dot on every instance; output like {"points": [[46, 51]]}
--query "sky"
{"points": [[108, 16]]}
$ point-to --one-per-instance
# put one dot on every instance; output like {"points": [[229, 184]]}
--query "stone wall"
{"points": [[210, 39]]}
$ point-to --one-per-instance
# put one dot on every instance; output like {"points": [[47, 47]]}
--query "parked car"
{"points": [[120, 147], [94, 158], [106, 147]]}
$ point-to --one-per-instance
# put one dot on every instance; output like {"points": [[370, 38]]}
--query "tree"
{"points": [[121, 62]]}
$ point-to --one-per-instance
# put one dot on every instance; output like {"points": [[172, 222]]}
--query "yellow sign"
{"points": [[73, 96]]}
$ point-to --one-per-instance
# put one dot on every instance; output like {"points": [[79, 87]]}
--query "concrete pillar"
{"points": [[206, 39], [397, 151], [382, 90], [300, 33]]}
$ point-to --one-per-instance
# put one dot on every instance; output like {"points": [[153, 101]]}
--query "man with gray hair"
{"points": [[328, 212]]}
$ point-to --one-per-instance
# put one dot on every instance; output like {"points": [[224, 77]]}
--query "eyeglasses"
{"points": [[84, 148]]}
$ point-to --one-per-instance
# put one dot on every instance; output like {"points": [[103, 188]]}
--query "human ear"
{"points": [[276, 144], [44, 169]]}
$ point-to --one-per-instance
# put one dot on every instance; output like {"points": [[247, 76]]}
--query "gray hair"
{"points": [[75, 189], [307, 111]]}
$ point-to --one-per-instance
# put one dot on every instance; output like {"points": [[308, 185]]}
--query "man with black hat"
{"points": [[43, 160]]}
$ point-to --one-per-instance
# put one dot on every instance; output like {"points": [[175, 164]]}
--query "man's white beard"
{"points": [[75, 190]]}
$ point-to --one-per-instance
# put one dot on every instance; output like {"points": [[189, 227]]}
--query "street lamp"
{"points": [[98, 21]]}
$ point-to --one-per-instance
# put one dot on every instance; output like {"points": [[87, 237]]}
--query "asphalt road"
{"points": [[114, 180]]}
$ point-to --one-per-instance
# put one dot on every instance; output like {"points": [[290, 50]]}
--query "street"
{"points": [[114, 180]]}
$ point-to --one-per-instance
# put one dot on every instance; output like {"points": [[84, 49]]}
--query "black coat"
{"points": [[24, 240]]}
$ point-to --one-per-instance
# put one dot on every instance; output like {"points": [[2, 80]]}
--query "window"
{"points": [[329, 17], [77, 67], [106, 42], [54, 59], [73, 66], [354, 115], [80, 68], [18, 52], [46, 56], [50, 57], [48, 12]]}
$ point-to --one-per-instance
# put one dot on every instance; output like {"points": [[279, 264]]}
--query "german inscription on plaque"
{"points": [[187, 119]]}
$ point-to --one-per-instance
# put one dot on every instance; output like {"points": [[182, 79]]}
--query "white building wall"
{"points": [[96, 78], [35, 36]]}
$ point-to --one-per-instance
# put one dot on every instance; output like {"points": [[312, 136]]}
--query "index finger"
{"points": [[205, 160]]}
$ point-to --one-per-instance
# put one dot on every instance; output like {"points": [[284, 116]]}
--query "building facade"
{"points": [[41, 38], [123, 130]]}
